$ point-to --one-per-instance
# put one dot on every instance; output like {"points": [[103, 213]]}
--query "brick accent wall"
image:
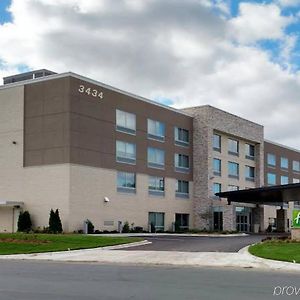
{"points": [[208, 119]]}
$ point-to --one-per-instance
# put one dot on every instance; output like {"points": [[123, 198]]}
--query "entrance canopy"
{"points": [[4, 203], [271, 195]]}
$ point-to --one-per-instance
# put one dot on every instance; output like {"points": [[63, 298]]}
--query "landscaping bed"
{"points": [[23, 243], [284, 250]]}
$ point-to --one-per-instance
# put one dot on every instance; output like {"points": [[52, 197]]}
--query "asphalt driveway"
{"points": [[198, 243]]}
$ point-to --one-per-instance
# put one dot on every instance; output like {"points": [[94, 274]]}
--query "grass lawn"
{"points": [[17, 243], [278, 250]]}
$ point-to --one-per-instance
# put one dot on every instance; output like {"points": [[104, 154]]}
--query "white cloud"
{"points": [[171, 49], [288, 3], [257, 22]]}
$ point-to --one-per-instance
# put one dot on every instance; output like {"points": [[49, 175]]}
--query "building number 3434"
{"points": [[92, 92]]}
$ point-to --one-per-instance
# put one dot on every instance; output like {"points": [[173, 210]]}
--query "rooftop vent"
{"points": [[27, 76]]}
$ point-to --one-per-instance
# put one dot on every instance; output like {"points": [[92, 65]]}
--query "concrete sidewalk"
{"points": [[242, 259]]}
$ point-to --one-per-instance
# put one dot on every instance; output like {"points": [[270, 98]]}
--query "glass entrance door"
{"points": [[218, 220], [243, 219]]}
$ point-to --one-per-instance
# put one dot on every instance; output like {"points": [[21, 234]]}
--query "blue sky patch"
{"points": [[5, 16]]}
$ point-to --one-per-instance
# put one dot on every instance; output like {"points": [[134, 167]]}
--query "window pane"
{"points": [[296, 165], [233, 146], [217, 141], [182, 186], [156, 156], [120, 116], [250, 150], [271, 159], [233, 169], [284, 180], [126, 151], [296, 180], [121, 179], [130, 121], [249, 172], [181, 135], [271, 178], [156, 128], [284, 162], [217, 165], [156, 183], [126, 120], [151, 127], [125, 179], [216, 188], [181, 161]]}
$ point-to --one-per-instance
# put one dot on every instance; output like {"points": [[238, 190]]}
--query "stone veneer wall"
{"points": [[206, 120]]}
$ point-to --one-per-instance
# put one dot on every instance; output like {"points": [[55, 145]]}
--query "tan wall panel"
{"points": [[90, 185]]}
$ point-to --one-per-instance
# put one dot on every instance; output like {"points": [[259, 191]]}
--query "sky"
{"points": [[240, 56]]}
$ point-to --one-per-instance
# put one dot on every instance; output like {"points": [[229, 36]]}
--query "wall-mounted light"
{"points": [[106, 199]]}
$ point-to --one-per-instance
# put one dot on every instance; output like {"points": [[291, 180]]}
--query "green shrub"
{"points": [[55, 225], [24, 222], [126, 228]]}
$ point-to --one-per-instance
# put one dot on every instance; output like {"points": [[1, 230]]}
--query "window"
{"points": [[271, 159], [125, 152], [217, 166], [217, 142], [182, 189], [156, 185], [125, 122], [233, 170], [249, 173], [296, 165], [157, 221], [126, 182], [156, 158], [284, 163], [296, 180], [250, 151], [181, 136], [182, 163], [217, 187], [181, 222], [284, 180], [233, 147], [232, 188], [271, 178], [156, 130]]}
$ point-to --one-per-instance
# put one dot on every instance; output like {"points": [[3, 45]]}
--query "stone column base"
{"points": [[295, 234]]}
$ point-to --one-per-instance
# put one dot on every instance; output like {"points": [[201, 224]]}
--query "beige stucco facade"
{"points": [[89, 186]]}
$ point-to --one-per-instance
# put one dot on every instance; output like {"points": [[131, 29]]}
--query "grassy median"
{"points": [[18, 243], [278, 250]]}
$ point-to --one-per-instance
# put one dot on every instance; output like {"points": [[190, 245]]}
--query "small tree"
{"points": [[52, 223], [24, 222], [58, 222], [90, 227], [55, 225]]}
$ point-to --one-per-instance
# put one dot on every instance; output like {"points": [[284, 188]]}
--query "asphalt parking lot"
{"points": [[198, 243]]}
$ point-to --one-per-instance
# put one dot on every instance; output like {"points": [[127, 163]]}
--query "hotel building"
{"points": [[99, 153]]}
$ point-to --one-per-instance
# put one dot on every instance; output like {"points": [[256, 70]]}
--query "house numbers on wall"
{"points": [[91, 92]]}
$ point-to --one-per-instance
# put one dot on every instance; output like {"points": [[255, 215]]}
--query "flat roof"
{"points": [[270, 195], [66, 74]]}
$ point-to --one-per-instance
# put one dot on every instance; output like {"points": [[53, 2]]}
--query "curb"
{"points": [[123, 246], [75, 251], [173, 234]]}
